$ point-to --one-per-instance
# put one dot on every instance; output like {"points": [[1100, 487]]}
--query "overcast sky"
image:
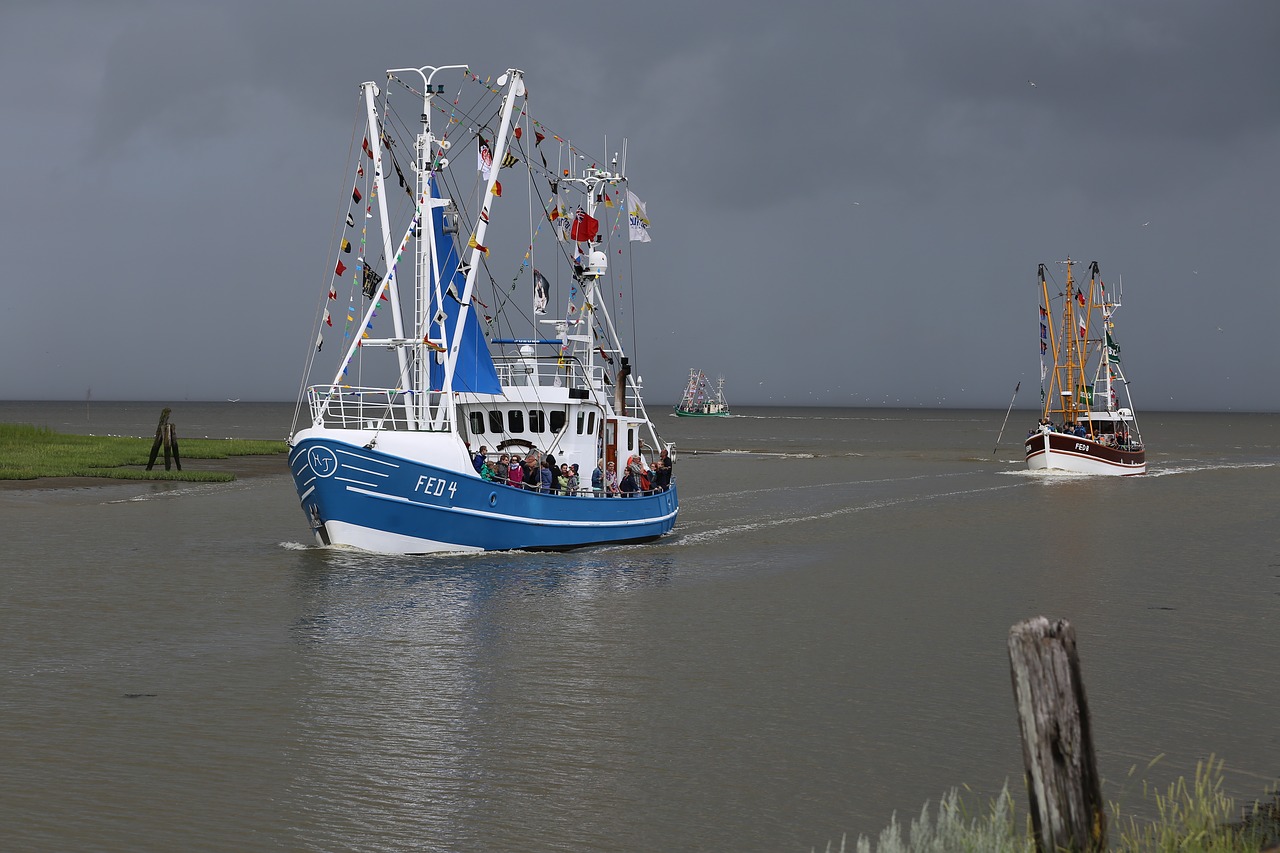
{"points": [[848, 199]]}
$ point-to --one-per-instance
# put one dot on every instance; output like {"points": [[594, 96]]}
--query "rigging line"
{"points": [[1006, 417], [330, 266]]}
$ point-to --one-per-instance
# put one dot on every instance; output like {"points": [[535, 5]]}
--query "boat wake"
{"points": [[202, 489], [1194, 469], [698, 537]]}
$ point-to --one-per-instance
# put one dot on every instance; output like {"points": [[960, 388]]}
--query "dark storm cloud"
{"points": [[829, 183]]}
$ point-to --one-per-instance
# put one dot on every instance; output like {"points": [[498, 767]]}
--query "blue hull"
{"points": [[380, 502]]}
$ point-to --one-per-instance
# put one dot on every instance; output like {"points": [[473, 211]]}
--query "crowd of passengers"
{"points": [[538, 472], [1119, 439]]}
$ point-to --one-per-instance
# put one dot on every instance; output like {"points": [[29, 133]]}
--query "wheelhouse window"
{"points": [[477, 423], [558, 420], [591, 423], [537, 420], [582, 421], [495, 421], [515, 421]]}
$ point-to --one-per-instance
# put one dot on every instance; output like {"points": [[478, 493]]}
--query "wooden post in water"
{"points": [[166, 437], [1063, 789]]}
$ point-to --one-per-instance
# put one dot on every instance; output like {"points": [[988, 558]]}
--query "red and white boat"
{"points": [[1087, 424]]}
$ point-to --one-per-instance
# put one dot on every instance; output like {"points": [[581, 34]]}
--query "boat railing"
{"points": [[351, 407], [547, 371]]}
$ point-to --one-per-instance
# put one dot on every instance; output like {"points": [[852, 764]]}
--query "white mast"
{"points": [[388, 283], [426, 259], [515, 79]]}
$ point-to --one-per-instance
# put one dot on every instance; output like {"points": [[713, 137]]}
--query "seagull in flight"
{"points": [[1033, 83], [1145, 224]]}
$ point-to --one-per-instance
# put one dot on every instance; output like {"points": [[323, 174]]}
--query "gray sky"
{"points": [[848, 200]]}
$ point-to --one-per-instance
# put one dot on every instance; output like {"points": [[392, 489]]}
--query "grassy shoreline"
{"points": [[1184, 817], [35, 453]]}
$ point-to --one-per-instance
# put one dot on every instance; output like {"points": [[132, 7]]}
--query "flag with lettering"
{"points": [[638, 218]]}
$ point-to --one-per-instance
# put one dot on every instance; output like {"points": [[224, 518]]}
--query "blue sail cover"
{"points": [[474, 372]]}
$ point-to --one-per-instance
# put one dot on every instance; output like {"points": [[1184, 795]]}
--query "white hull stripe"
{"points": [[520, 519]]}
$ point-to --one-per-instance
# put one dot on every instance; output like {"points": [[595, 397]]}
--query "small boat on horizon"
{"points": [[1087, 423], [700, 400], [407, 440]]}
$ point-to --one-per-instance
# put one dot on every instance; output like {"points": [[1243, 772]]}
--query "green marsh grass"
{"points": [[1186, 817], [30, 452]]}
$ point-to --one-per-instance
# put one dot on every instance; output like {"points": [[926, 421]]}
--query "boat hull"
{"points": [[684, 414], [1060, 451], [383, 502]]}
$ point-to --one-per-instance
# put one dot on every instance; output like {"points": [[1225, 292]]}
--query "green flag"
{"points": [[1113, 350]]}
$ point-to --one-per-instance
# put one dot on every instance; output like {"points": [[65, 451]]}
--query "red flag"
{"points": [[340, 268], [1080, 296], [517, 131], [355, 194], [584, 228], [367, 150]]}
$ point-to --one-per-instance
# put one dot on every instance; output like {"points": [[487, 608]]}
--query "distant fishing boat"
{"points": [[465, 383], [1087, 424], [700, 400]]}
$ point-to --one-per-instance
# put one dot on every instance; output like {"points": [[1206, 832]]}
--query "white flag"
{"points": [[484, 157], [638, 218]]}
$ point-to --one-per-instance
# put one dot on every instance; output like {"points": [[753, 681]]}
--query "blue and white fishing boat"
{"points": [[473, 366]]}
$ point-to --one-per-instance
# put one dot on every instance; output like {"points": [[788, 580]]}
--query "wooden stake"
{"points": [[160, 442], [1063, 788]]}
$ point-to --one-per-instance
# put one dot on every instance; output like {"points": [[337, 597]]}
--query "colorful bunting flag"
{"points": [[340, 268], [355, 195], [346, 245]]}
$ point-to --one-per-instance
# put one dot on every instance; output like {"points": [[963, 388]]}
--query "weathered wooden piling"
{"points": [[166, 438], [1063, 788]]}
